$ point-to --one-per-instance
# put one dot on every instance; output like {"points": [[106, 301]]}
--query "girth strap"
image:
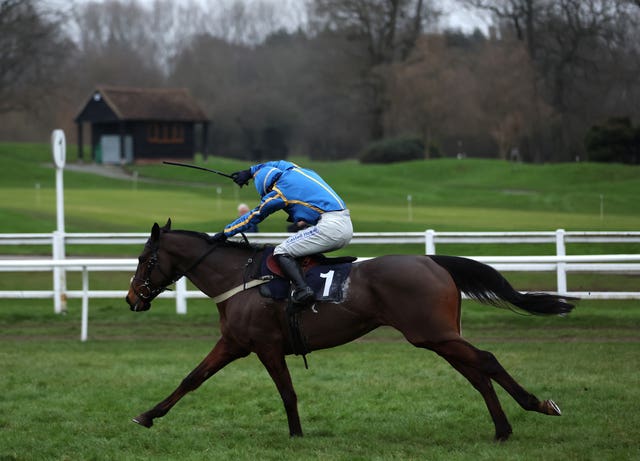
{"points": [[234, 291]]}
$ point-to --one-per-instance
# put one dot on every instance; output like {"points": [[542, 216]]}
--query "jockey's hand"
{"points": [[219, 237], [241, 178]]}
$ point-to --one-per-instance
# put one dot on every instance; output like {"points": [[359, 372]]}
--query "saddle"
{"points": [[326, 276]]}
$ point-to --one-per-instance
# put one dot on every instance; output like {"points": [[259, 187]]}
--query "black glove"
{"points": [[241, 178], [219, 237]]}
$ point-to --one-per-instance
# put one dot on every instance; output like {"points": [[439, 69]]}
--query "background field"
{"points": [[447, 194], [377, 398]]}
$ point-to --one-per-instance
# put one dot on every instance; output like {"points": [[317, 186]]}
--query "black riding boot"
{"points": [[302, 294]]}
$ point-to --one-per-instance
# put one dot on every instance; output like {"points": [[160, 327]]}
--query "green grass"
{"points": [[446, 194], [376, 398]]}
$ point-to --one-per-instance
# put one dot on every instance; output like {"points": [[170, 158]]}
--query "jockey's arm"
{"points": [[270, 203]]}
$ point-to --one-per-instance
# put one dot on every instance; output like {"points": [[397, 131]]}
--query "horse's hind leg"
{"points": [[487, 362], [466, 359], [221, 355], [525, 399]]}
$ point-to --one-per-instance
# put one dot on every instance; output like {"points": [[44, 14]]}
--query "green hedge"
{"points": [[617, 140], [391, 150]]}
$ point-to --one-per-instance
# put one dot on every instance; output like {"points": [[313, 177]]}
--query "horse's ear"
{"points": [[155, 232], [167, 226]]}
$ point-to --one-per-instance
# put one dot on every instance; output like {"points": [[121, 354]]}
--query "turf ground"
{"points": [[376, 398]]}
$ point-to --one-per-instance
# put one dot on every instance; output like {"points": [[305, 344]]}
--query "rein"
{"points": [[153, 262], [197, 262]]}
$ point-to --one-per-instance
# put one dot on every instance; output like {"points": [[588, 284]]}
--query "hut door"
{"points": [[110, 149]]}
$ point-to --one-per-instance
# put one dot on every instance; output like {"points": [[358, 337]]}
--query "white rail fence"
{"points": [[559, 263]]}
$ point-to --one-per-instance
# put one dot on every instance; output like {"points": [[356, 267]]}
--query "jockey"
{"points": [[313, 206]]}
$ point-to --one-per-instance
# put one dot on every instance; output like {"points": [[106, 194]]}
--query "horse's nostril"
{"points": [[131, 304]]}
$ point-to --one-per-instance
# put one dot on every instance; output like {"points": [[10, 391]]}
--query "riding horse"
{"points": [[418, 295]]}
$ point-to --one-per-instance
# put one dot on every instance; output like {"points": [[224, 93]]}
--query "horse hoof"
{"points": [[503, 437], [550, 408], [143, 421]]}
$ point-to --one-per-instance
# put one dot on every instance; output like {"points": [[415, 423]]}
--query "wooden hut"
{"points": [[142, 125]]}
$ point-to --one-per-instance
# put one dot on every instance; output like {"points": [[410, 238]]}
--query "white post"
{"points": [[430, 242], [561, 268], [59, 150], [181, 295], [59, 274], [85, 304]]}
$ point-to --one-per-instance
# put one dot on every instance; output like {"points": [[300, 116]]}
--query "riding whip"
{"points": [[187, 165]]}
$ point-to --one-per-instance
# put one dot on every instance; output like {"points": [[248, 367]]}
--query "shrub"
{"points": [[614, 141], [391, 150]]}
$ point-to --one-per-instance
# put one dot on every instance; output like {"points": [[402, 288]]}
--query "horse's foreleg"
{"points": [[221, 355], [274, 361]]}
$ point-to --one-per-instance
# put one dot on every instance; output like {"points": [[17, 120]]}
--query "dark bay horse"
{"points": [[418, 295]]}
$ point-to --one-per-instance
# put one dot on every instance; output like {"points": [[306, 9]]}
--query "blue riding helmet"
{"points": [[264, 178]]}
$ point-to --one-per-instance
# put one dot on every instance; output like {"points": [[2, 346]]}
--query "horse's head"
{"points": [[152, 275]]}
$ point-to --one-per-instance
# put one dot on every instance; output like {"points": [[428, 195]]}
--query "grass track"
{"points": [[75, 401], [377, 398]]}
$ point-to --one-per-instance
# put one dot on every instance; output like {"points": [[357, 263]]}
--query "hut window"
{"points": [[165, 133]]}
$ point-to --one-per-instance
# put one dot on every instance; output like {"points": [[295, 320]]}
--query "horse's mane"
{"points": [[200, 235], [242, 244]]}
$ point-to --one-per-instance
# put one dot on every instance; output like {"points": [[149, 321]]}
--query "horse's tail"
{"points": [[486, 285]]}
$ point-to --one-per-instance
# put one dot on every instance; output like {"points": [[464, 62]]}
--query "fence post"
{"points": [[59, 152], [430, 242], [84, 330], [561, 272], [181, 295], [59, 274]]}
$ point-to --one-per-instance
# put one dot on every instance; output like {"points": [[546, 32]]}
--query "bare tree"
{"points": [[510, 107], [575, 45], [387, 28], [117, 46], [581, 58], [457, 90], [33, 51], [432, 93], [521, 14]]}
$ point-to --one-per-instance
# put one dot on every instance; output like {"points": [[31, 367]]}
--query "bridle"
{"points": [[145, 291]]}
